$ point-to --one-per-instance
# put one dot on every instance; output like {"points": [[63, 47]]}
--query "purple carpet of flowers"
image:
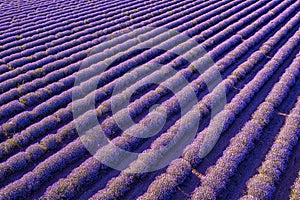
{"points": [[247, 149]]}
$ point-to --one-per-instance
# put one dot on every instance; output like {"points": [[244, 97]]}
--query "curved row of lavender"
{"points": [[254, 45]]}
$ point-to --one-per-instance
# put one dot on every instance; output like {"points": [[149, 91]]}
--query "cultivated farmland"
{"points": [[150, 99]]}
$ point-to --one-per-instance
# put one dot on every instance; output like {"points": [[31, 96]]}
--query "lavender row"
{"points": [[161, 181], [43, 171], [156, 23], [52, 104], [80, 25], [43, 54], [87, 13], [51, 58], [295, 189], [53, 188], [246, 32], [30, 90], [41, 13], [46, 40], [216, 177], [5, 68], [231, 28], [12, 94], [133, 16], [48, 143], [228, 22], [204, 78], [265, 18], [191, 153], [8, 6], [148, 99], [199, 19], [226, 45], [14, 91], [70, 24], [9, 18], [33, 13], [49, 16], [33, 30], [10, 127], [74, 182], [256, 57], [118, 48], [175, 134], [38, 63], [117, 186], [25, 10], [53, 140], [28, 6], [39, 96], [262, 185], [220, 36], [7, 148], [46, 18], [142, 57]]}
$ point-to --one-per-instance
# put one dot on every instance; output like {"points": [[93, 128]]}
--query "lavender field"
{"points": [[150, 99]]}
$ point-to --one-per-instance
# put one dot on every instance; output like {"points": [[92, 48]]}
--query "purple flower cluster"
{"points": [[216, 176], [30, 29], [43, 171], [211, 10], [111, 121], [78, 177], [163, 186], [47, 67], [50, 145], [98, 22], [11, 109], [39, 64], [245, 33], [171, 105], [31, 99], [229, 22], [295, 189], [114, 189], [225, 46], [43, 110], [27, 118], [214, 20], [262, 185], [39, 129], [33, 152], [288, 79], [254, 128]]}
